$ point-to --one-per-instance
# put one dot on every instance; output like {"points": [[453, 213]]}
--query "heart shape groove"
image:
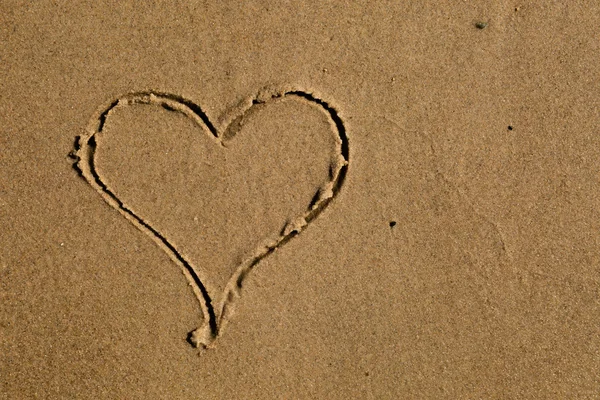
{"points": [[215, 311]]}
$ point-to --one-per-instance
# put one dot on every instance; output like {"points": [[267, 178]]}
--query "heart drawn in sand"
{"points": [[217, 177]]}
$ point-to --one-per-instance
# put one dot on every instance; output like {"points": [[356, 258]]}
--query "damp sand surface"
{"points": [[324, 200]]}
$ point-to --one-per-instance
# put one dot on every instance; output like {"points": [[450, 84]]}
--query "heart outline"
{"points": [[215, 316]]}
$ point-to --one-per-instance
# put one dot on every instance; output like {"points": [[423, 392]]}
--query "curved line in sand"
{"points": [[215, 316]]}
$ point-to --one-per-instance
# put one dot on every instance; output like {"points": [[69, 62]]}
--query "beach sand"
{"points": [[299, 200]]}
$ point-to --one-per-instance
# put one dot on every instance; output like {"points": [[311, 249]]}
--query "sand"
{"points": [[293, 200]]}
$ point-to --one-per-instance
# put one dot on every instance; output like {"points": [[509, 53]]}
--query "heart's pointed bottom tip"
{"points": [[201, 337]]}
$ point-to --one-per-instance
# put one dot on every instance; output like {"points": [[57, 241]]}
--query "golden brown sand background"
{"points": [[481, 144]]}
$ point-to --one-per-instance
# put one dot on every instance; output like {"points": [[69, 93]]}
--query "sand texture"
{"points": [[299, 200]]}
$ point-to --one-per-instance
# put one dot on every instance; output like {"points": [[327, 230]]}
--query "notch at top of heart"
{"points": [[229, 123]]}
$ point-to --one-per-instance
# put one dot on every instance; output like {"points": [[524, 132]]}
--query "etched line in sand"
{"points": [[215, 313]]}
